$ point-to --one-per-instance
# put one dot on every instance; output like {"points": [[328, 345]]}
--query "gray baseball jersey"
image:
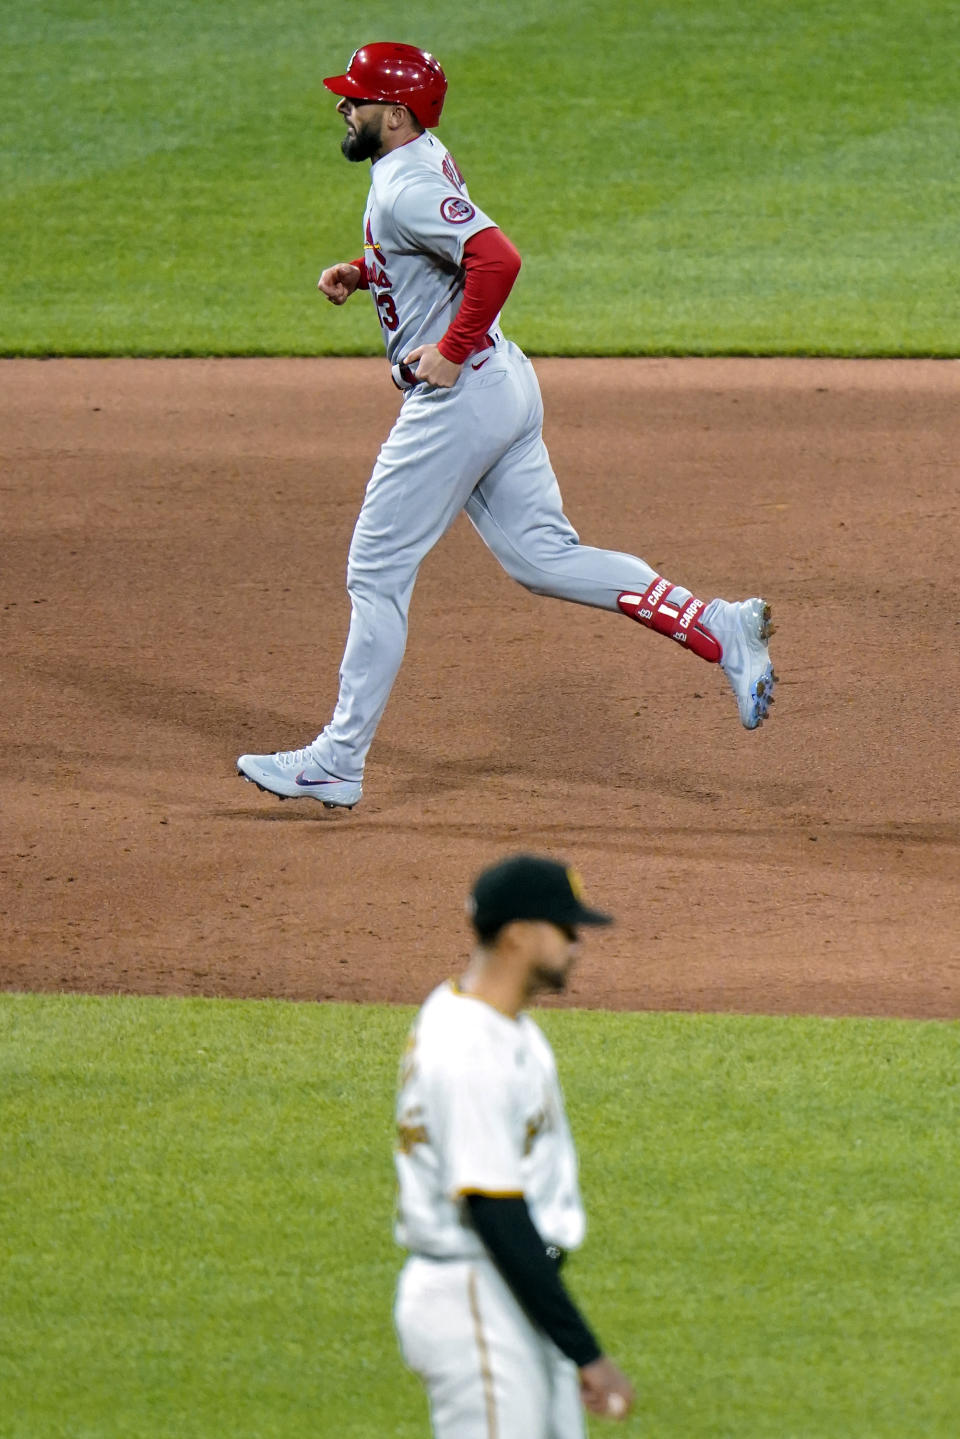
{"points": [[418, 218], [475, 447]]}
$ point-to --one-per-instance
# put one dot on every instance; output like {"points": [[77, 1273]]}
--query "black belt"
{"points": [[554, 1253], [405, 377]]}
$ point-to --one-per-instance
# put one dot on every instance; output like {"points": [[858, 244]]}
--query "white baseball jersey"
{"points": [[480, 1111], [417, 219]]}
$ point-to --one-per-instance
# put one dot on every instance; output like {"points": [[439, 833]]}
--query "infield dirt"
{"points": [[173, 559]]}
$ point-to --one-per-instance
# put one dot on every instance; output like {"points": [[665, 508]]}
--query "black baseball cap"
{"points": [[526, 886]]}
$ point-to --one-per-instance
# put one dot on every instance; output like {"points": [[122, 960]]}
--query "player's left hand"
{"points": [[605, 1390], [434, 367]]}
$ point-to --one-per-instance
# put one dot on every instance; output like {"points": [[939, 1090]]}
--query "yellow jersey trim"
{"points": [[478, 998], [489, 1193]]}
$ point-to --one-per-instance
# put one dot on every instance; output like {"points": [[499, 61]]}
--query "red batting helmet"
{"points": [[397, 74]]}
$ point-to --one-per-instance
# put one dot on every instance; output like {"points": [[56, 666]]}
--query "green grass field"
{"points": [[765, 176], [196, 1196]]}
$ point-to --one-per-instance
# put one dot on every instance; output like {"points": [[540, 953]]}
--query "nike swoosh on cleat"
{"points": [[479, 365], [311, 783]]}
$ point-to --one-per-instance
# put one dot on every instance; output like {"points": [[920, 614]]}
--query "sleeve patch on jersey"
{"points": [[456, 210]]}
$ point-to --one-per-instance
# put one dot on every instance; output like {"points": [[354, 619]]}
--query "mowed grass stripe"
{"points": [[767, 177], [196, 1201]]}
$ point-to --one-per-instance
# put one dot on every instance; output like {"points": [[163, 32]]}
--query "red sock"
{"points": [[681, 623]]}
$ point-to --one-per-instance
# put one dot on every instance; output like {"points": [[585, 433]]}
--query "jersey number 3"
{"points": [[389, 318]]}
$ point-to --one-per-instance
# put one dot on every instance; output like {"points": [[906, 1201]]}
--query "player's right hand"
{"points": [[338, 283], [604, 1390]]}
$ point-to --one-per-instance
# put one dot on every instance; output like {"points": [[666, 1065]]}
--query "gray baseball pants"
{"points": [[479, 447]]}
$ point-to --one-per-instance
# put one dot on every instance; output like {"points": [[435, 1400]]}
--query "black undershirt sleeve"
{"points": [[510, 1236]]}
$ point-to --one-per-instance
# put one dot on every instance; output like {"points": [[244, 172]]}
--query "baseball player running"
{"points": [[488, 1200], [468, 435]]}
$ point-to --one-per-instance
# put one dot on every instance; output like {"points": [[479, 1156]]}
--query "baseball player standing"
{"points": [[488, 1197], [468, 436]]}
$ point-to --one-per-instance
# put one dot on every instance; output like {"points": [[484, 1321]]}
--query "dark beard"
{"points": [[549, 981], [362, 145]]}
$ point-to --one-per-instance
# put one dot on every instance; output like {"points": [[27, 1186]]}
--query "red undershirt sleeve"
{"points": [[492, 264], [363, 283]]}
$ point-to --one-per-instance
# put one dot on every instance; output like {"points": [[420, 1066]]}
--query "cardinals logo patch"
{"points": [[457, 211]]}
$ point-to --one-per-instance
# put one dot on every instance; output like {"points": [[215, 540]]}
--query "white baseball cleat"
{"points": [[743, 628], [295, 774]]}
